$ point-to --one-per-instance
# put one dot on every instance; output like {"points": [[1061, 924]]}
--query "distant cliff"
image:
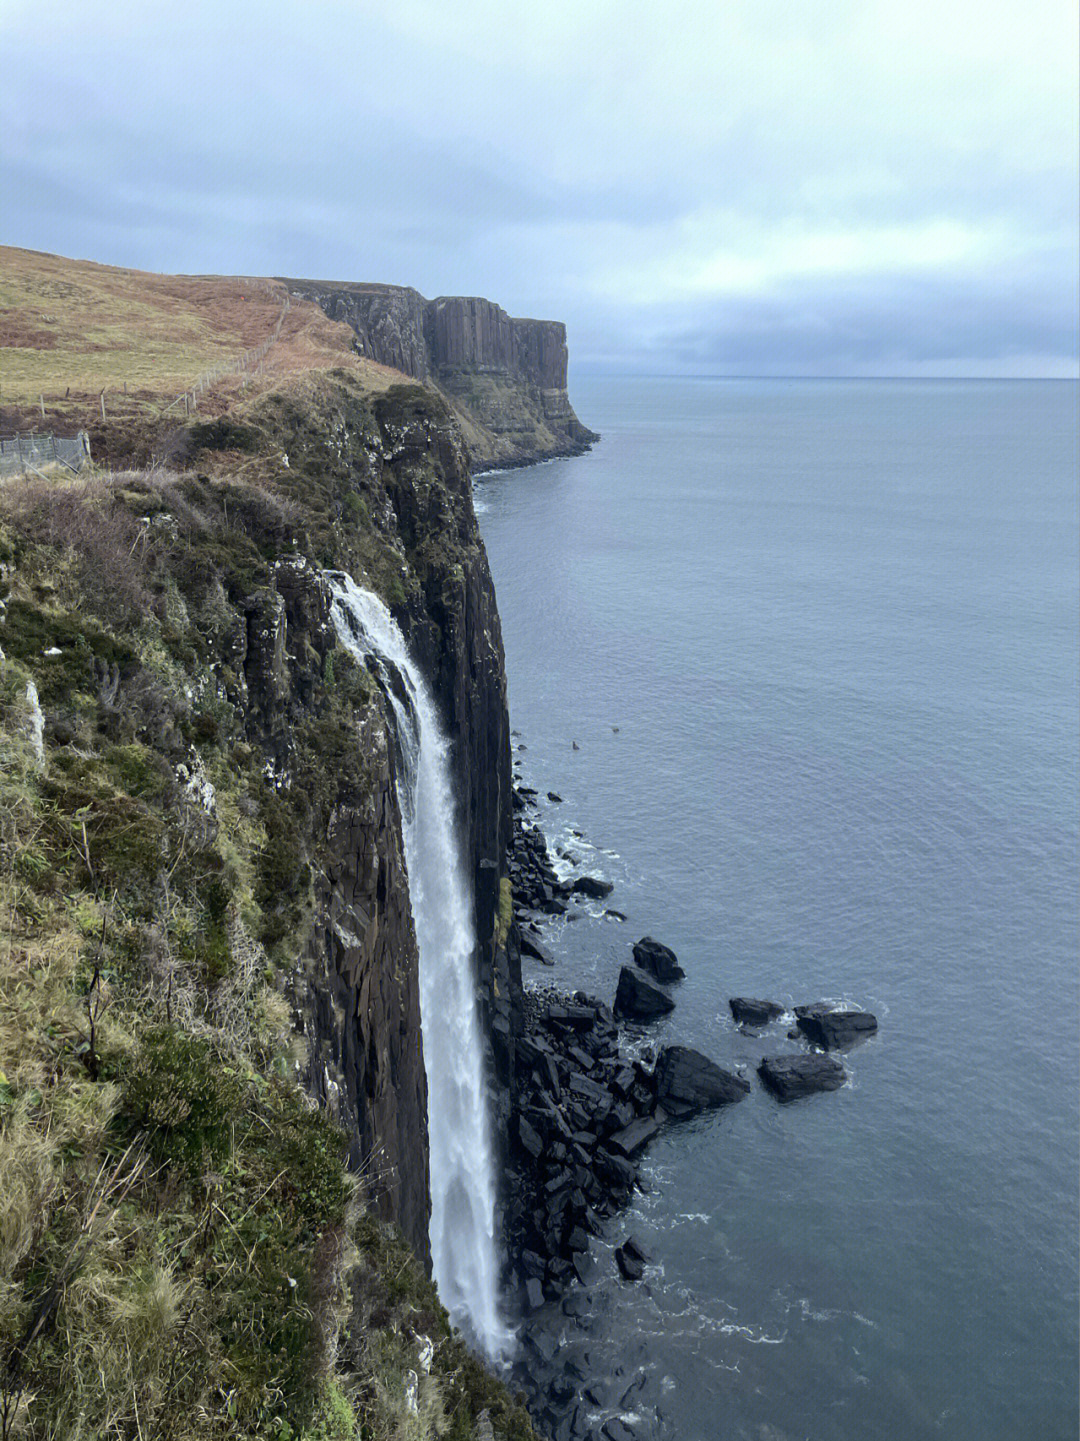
{"points": [[504, 378]]}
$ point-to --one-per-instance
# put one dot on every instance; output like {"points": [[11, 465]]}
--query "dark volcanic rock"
{"points": [[530, 947], [630, 1259], [834, 1029], [635, 1136], [592, 887], [790, 1077], [640, 999], [749, 1012], [660, 961], [691, 1080]]}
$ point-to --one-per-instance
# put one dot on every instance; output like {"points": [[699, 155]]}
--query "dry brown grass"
{"points": [[70, 329]]}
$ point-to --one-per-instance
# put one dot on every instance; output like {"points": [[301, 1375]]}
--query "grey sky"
{"points": [[758, 186]]}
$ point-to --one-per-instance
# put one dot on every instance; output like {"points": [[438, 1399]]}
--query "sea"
{"points": [[800, 657]]}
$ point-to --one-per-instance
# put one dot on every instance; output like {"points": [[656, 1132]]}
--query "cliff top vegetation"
{"points": [[70, 329]]}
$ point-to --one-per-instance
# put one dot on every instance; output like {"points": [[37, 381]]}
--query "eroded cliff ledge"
{"points": [[505, 378]]}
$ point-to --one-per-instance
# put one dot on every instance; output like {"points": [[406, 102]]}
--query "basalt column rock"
{"points": [[360, 1002], [504, 378], [452, 627]]}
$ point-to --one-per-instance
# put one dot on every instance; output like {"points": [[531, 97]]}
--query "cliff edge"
{"points": [[505, 379]]}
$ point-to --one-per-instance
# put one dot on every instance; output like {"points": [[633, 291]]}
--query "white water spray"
{"points": [[462, 1231]]}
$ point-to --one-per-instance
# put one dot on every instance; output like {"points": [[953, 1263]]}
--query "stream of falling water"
{"points": [[463, 1250]]}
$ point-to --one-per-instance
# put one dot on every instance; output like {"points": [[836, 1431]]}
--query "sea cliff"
{"points": [[505, 379], [209, 919]]}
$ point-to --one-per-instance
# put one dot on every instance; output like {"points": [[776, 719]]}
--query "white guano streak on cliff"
{"points": [[463, 1251]]}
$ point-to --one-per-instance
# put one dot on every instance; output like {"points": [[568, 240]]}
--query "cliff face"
{"points": [[397, 465], [204, 813], [504, 378]]}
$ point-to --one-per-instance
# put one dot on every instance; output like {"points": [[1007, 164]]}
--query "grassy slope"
{"points": [[182, 1254], [72, 328]]}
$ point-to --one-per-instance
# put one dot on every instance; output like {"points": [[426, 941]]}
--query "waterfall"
{"points": [[463, 1252]]}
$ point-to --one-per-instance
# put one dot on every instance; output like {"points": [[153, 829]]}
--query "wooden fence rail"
{"points": [[250, 360]]}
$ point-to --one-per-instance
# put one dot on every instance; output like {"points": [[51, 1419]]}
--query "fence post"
{"points": [[102, 398]]}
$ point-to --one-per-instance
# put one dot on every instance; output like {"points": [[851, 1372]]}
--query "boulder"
{"points": [[534, 1293], [636, 1135], [640, 999], [693, 1082], [592, 886], [530, 1141], [532, 948], [660, 961], [748, 1012], [791, 1077], [832, 1028], [629, 1263]]}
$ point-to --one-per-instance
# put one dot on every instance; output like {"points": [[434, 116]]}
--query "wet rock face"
{"points": [[659, 960], [359, 998], [750, 1012], [639, 998]]}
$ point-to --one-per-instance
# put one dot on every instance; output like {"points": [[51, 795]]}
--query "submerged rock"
{"points": [[791, 1077], [687, 1081], [660, 961], [748, 1012], [640, 999], [834, 1029]]}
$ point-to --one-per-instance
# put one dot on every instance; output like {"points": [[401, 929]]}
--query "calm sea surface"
{"points": [[816, 642]]}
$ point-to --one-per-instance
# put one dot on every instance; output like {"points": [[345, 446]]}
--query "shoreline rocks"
{"points": [[834, 1029], [659, 961], [688, 1082], [790, 1078], [640, 999], [749, 1012]]}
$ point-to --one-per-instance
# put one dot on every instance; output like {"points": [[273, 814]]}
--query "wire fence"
{"points": [[20, 453], [251, 360]]}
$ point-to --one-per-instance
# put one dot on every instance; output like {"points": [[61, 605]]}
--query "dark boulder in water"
{"points": [[592, 886], [630, 1261], [660, 961], [640, 999], [791, 1077], [687, 1081], [530, 947], [834, 1029], [748, 1012]]}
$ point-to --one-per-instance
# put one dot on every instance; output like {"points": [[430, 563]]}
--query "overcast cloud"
{"points": [[758, 186]]}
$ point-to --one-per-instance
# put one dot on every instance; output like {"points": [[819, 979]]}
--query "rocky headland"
{"points": [[504, 378]]}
